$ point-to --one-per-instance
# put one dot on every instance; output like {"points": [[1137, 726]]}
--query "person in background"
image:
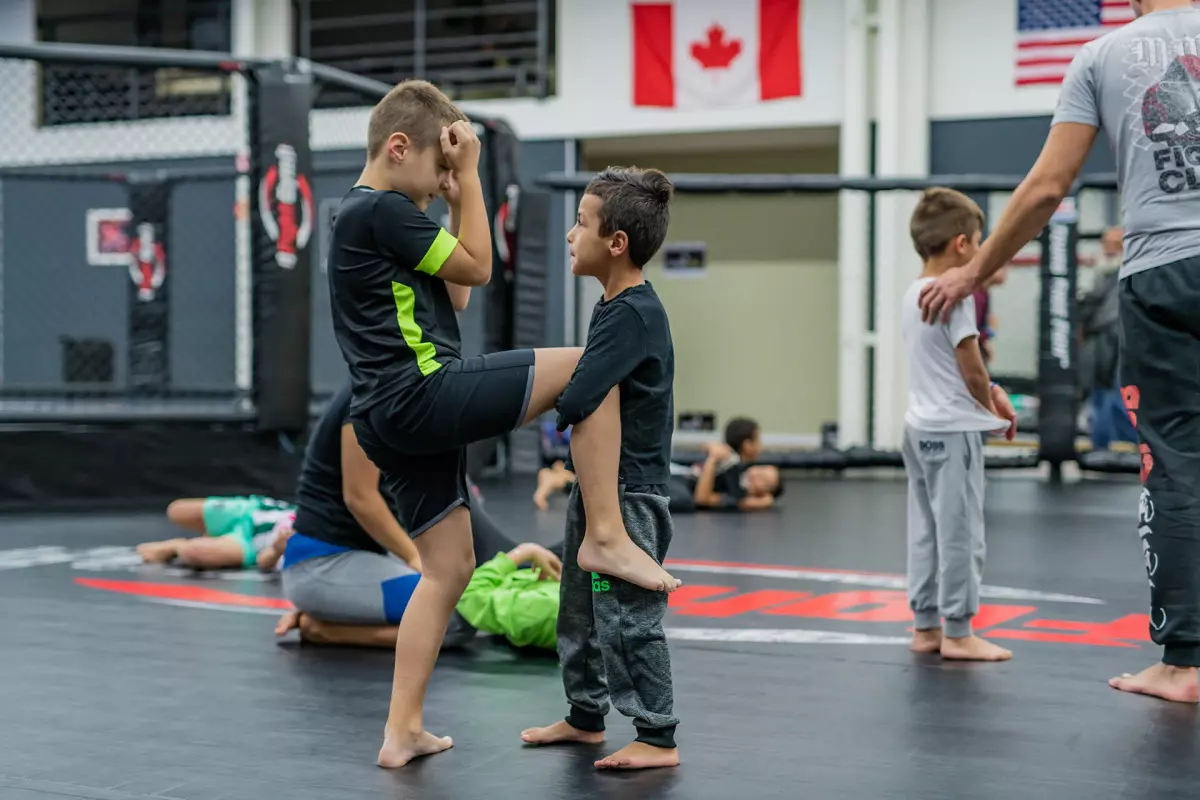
{"points": [[349, 567], [985, 320], [1100, 337], [727, 480], [234, 532]]}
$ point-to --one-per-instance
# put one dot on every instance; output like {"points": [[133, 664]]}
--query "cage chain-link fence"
{"points": [[125, 271]]}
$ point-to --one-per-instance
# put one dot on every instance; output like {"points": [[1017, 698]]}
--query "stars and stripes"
{"points": [[1051, 32]]}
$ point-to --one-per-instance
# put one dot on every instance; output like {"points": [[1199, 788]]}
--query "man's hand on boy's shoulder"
{"points": [[460, 145], [945, 292]]}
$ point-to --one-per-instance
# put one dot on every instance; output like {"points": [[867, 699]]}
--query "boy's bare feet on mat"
{"points": [[288, 622], [561, 732], [1177, 684], [621, 558], [929, 641], [310, 629], [156, 552], [972, 648], [638, 755], [399, 750]]}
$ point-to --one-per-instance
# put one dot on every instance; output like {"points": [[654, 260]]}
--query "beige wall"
{"points": [[757, 333]]}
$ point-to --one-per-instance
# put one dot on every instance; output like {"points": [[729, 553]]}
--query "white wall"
{"points": [[972, 63], [971, 45]]}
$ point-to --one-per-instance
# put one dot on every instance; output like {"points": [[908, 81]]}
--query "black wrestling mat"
{"points": [[792, 677]]}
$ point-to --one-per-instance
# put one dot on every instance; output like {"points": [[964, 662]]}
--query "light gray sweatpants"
{"points": [[945, 528]]}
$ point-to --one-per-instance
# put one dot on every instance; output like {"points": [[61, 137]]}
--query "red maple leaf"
{"points": [[716, 52]]}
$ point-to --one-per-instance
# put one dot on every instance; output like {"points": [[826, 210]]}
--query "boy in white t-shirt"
{"points": [[951, 405]]}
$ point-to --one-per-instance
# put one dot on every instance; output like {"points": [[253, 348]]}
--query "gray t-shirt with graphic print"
{"points": [[1140, 84]]}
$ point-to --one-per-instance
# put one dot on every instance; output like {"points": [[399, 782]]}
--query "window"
{"points": [[79, 94], [473, 49]]}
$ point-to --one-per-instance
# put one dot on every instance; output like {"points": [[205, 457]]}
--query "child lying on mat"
{"points": [[514, 595], [727, 480], [350, 568], [235, 532]]}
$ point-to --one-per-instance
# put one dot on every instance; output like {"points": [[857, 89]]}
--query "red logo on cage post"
{"points": [[285, 203], [147, 262]]}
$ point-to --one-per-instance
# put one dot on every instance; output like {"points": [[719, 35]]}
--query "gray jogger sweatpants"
{"points": [[610, 637], [945, 528]]}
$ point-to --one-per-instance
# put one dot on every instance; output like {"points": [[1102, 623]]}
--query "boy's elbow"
{"points": [[481, 275]]}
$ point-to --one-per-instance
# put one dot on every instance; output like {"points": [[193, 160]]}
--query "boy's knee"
{"points": [[454, 574], [180, 512], [193, 554]]}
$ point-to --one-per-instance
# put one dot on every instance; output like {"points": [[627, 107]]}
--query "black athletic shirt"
{"points": [[321, 511], [393, 319], [629, 344]]}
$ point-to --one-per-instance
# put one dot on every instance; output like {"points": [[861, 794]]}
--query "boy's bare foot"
{"points": [[156, 552], [545, 485], [972, 648], [1177, 684], [929, 641], [399, 750], [559, 733], [639, 755], [288, 622], [621, 558]]}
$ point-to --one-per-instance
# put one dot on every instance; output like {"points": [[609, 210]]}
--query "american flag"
{"points": [[1051, 32]]}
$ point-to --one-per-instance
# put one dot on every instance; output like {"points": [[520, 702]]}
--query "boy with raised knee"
{"points": [[610, 635], [951, 405], [396, 281]]}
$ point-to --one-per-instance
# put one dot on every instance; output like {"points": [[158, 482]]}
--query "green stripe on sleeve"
{"points": [[405, 316], [437, 253]]}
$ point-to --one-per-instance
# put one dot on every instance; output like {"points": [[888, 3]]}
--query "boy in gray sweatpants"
{"points": [[610, 636], [951, 405]]}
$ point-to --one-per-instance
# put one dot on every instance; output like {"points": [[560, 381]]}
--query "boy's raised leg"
{"points": [[607, 548], [447, 560], [596, 456]]}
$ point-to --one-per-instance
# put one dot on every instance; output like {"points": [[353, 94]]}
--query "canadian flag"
{"points": [[706, 53]]}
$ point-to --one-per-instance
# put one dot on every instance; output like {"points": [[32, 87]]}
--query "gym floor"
{"points": [[792, 678]]}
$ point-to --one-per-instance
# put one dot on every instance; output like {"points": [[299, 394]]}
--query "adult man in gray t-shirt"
{"points": [[1141, 85]]}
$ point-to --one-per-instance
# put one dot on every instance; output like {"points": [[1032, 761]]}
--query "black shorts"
{"points": [[418, 437]]}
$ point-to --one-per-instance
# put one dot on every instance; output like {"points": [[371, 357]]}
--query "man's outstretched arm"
{"points": [[1032, 205]]}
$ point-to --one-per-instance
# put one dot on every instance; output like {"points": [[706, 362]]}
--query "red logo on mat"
{"points": [[870, 615]]}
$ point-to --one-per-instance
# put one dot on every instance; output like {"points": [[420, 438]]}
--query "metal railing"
{"points": [[472, 50]]}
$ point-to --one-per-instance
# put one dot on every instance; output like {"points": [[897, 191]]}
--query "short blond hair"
{"points": [[416, 108], [941, 216]]}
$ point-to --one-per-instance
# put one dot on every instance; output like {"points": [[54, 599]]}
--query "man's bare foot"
{"points": [[1177, 684], [972, 648], [399, 750], [621, 558], [639, 755], [559, 733], [156, 552], [929, 641], [288, 622]]}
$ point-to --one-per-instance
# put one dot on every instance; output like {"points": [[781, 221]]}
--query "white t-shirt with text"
{"points": [[938, 398]]}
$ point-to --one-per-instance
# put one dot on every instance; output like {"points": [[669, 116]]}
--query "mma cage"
{"points": [[164, 217], [1056, 382], [163, 225]]}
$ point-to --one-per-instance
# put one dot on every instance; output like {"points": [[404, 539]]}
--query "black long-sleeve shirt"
{"points": [[629, 345]]}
